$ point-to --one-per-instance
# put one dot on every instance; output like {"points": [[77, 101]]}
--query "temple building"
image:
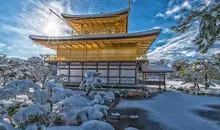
{"points": [[100, 42]]}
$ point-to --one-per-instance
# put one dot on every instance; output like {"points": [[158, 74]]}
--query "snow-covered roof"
{"points": [[101, 15], [156, 69], [96, 37]]}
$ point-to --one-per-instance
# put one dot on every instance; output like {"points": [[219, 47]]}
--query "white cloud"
{"points": [[176, 17], [173, 10], [179, 47], [160, 15], [167, 30], [156, 27], [162, 41], [35, 19], [2, 44]]}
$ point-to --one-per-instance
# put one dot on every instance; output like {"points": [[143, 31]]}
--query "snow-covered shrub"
{"points": [[22, 115], [103, 98], [58, 121], [91, 81], [96, 125], [13, 109], [38, 120]]}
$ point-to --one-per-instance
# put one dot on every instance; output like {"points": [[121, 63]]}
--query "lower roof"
{"points": [[96, 37], [156, 69], [142, 40]]}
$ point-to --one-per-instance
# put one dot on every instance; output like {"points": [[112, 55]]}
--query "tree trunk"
{"points": [[198, 86], [206, 81], [88, 91]]}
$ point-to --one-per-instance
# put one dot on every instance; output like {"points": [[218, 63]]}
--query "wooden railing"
{"points": [[93, 57]]}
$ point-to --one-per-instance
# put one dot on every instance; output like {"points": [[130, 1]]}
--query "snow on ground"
{"points": [[173, 109], [178, 84]]}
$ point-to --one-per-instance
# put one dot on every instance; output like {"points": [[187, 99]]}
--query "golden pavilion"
{"points": [[101, 42]]}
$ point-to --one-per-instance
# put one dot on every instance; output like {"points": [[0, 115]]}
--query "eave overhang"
{"points": [[142, 40], [96, 37]]}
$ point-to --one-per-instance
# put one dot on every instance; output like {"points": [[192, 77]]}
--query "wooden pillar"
{"points": [[145, 79], [68, 72], [159, 81], [108, 73], [164, 77], [82, 63], [136, 72], [96, 66], [119, 75]]}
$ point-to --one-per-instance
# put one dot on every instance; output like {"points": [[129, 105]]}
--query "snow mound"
{"points": [[31, 127], [60, 94], [18, 87], [3, 127], [90, 125], [131, 128], [22, 115], [63, 128], [50, 86], [96, 125]]}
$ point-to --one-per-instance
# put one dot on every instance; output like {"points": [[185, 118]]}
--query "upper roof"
{"points": [[116, 22], [93, 16]]}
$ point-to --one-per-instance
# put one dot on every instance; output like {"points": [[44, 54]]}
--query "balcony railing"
{"points": [[93, 57]]}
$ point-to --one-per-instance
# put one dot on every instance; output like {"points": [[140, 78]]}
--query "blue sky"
{"points": [[20, 18]]}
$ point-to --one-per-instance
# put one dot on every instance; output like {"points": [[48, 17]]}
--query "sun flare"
{"points": [[52, 29]]}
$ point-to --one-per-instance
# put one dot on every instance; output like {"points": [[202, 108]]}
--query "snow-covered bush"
{"points": [[91, 81], [103, 98], [90, 125], [96, 125], [22, 115], [26, 105], [43, 72]]}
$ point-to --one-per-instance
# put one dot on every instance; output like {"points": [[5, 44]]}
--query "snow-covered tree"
{"points": [[12, 68], [208, 17], [43, 72], [203, 71], [91, 81], [179, 66]]}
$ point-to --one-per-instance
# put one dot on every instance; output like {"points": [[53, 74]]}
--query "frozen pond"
{"points": [[180, 111]]}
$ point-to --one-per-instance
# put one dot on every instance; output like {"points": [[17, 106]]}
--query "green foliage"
{"points": [[58, 121], [13, 109], [208, 17], [38, 119]]}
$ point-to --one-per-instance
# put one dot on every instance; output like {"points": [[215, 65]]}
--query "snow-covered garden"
{"points": [[33, 98]]}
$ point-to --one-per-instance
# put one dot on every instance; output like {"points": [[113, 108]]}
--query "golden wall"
{"points": [[123, 53]]}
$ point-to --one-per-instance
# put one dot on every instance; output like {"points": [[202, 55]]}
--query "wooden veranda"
{"points": [[155, 75]]}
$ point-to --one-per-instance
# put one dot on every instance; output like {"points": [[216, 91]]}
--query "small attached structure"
{"points": [[155, 75]]}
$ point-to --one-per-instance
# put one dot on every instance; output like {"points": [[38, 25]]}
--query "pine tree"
{"points": [[208, 17]]}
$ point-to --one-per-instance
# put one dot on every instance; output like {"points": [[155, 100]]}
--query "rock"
{"points": [[73, 121], [180, 89], [131, 128], [96, 125], [3, 127], [96, 101]]}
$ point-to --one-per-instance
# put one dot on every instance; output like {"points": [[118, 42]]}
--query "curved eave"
{"points": [[92, 16], [96, 37]]}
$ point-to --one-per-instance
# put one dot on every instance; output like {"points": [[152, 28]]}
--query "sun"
{"points": [[52, 28]]}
